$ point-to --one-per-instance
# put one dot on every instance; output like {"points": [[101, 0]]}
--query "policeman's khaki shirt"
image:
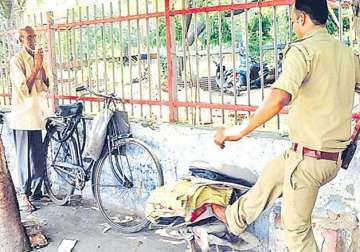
{"points": [[28, 109], [320, 74]]}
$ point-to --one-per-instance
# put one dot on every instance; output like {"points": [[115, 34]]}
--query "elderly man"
{"points": [[318, 82], [29, 80]]}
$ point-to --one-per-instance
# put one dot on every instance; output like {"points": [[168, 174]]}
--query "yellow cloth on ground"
{"points": [[180, 198]]}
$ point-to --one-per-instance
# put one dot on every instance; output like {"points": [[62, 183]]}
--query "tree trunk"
{"points": [[12, 233]]}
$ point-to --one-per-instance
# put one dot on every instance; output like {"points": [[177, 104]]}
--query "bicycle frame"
{"points": [[70, 129]]}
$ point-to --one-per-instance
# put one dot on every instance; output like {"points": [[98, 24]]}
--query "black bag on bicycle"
{"points": [[119, 124], [119, 127]]}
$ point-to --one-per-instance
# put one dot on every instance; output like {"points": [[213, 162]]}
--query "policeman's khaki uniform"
{"points": [[27, 118], [320, 75]]}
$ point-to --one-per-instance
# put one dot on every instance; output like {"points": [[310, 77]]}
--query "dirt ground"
{"points": [[82, 222]]}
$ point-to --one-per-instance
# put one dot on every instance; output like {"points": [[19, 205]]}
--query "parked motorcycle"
{"points": [[183, 208], [227, 81]]}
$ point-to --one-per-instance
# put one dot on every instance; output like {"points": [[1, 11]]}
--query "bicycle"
{"points": [[121, 178]]}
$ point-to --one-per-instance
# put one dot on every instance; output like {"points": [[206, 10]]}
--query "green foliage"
{"points": [[162, 32], [332, 27], [214, 24], [5, 9], [254, 34]]}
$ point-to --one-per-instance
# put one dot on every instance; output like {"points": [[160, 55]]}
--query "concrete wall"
{"points": [[176, 146]]}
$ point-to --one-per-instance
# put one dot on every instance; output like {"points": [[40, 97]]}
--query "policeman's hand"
{"points": [[220, 138], [38, 59]]}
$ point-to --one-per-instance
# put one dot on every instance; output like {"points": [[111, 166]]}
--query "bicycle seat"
{"points": [[70, 110], [225, 173]]}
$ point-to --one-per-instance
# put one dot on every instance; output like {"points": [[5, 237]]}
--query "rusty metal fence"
{"points": [[200, 62]]}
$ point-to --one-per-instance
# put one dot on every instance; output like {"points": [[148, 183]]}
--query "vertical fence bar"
{"points": [[351, 26], [174, 65], [276, 53], [4, 70], [341, 22], [68, 52], [121, 55], [191, 74], [88, 57], [96, 55], [112, 48], [52, 59], [35, 20], [2, 67], [74, 62], [81, 56], [41, 19], [290, 24], [139, 56], [8, 54], [247, 54], [148, 71], [130, 59], [61, 64], [262, 81], [185, 45], [3, 77], [208, 59], [158, 57], [103, 29], [22, 20], [197, 90], [290, 27], [233, 60], [169, 60], [11, 52], [221, 65]]}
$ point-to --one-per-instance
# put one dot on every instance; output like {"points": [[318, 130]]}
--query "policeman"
{"points": [[318, 83]]}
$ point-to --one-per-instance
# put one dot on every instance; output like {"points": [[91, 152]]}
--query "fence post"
{"points": [[170, 71], [52, 59]]}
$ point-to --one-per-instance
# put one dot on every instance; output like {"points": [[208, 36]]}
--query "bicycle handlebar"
{"points": [[81, 88], [112, 96]]}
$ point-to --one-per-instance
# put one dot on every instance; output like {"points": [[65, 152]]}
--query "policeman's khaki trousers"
{"points": [[295, 177]]}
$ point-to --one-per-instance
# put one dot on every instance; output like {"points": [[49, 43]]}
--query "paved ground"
{"points": [[85, 224]]}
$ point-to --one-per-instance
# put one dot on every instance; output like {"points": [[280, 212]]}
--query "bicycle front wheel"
{"points": [[123, 180]]}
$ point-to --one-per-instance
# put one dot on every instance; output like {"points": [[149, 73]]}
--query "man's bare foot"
{"points": [[219, 211], [26, 205], [25, 200]]}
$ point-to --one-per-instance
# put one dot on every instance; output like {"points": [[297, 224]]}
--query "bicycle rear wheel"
{"points": [[58, 182], [123, 181]]}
